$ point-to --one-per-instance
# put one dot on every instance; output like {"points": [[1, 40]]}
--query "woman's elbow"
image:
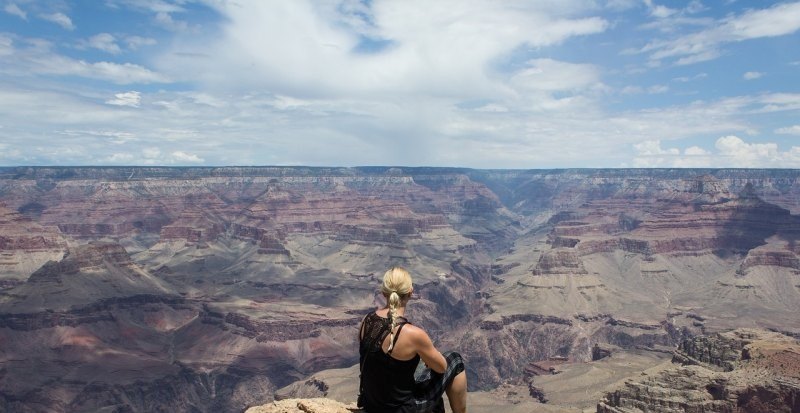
{"points": [[440, 365]]}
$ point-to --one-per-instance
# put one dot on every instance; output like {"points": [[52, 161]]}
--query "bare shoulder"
{"points": [[416, 334]]}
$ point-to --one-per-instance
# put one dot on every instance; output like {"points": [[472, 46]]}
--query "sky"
{"points": [[457, 83]]}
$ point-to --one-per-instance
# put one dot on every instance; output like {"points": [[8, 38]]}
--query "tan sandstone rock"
{"points": [[318, 405]]}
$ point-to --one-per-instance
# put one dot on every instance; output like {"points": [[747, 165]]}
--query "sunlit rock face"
{"points": [[212, 288], [25, 244], [744, 370]]}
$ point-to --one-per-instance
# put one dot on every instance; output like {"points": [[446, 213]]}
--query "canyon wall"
{"points": [[208, 288]]}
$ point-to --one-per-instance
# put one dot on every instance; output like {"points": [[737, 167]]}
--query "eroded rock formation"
{"points": [[740, 371]]}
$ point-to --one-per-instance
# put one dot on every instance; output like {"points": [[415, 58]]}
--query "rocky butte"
{"points": [[219, 289]]}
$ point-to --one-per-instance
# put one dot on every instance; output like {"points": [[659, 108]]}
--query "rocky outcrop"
{"points": [[318, 405], [91, 257], [770, 258], [715, 351], [738, 375], [600, 352], [285, 330], [25, 244], [536, 318], [559, 261]]}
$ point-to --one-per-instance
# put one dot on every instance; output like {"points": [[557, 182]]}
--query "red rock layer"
{"points": [[779, 258], [18, 233]]}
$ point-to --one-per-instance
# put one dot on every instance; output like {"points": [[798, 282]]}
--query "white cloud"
{"points": [[132, 99], [9, 153], [153, 6], [695, 151], [125, 73], [6, 45], [13, 9], [752, 75], [60, 19], [103, 41], [731, 151], [184, 157], [120, 158], [492, 107], [113, 136], [621, 4], [693, 157], [746, 154], [695, 6], [38, 58], [698, 58], [789, 130], [662, 11], [650, 154], [135, 42], [553, 76], [685, 79], [677, 23], [778, 102], [779, 20], [631, 90], [165, 20], [670, 20], [653, 90], [313, 49], [653, 148], [213, 101], [657, 89], [177, 134], [162, 13], [151, 153]]}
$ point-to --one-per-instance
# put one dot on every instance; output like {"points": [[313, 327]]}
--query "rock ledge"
{"points": [[318, 405]]}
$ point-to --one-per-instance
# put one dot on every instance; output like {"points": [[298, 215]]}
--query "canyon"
{"points": [[217, 289]]}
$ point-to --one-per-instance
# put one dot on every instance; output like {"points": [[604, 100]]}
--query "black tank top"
{"points": [[387, 384]]}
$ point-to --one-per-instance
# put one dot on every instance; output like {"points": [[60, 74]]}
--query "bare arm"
{"points": [[427, 351]]}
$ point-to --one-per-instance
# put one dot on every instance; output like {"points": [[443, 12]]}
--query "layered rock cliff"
{"points": [[25, 245], [740, 371]]}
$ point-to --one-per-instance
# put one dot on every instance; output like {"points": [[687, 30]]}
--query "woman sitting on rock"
{"points": [[392, 378]]}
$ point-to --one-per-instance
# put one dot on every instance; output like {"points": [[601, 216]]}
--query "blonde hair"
{"points": [[396, 286]]}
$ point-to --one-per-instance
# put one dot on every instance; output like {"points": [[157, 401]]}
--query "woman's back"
{"points": [[387, 382]]}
